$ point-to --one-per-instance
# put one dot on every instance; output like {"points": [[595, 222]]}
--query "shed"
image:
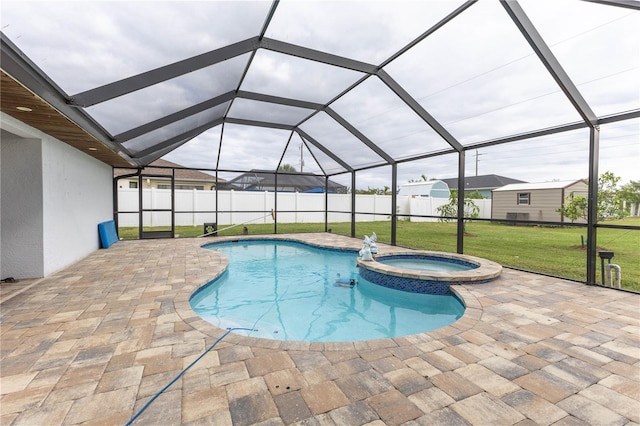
{"points": [[534, 201], [429, 188]]}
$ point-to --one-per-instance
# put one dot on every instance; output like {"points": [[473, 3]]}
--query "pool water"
{"points": [[288, 291], [427, 264]]}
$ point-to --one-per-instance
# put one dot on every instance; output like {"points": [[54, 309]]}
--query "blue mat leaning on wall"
{"points": [[108, 234]]}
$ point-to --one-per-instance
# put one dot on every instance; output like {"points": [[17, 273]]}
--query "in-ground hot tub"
{"points": [[429, 272]]}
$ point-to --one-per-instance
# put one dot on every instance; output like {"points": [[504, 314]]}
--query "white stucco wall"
{"points": [[75, 194], [21, 206]]}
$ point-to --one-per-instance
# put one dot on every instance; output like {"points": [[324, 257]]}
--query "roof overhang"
{"points": [[44, 117]]}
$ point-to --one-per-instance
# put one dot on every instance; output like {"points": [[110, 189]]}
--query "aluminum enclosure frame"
{"points": [[21, 68]]}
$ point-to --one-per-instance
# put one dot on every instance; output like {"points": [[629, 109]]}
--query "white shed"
{"points": [[430, 188], [534, 201]]}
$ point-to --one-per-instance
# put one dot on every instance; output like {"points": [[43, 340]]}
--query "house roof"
{"points": [[162, 169], [262, 180], [539, 185], [481, 182]]}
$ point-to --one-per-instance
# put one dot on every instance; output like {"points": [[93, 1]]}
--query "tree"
{"points": [[630, 193], [377, 191], [610, 201], [609, 204], [423, 178], [287, 168], [475, 195], [471, 210], [575, 208]]}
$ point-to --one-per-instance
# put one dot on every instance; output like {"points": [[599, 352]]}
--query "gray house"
{"points": [[483, 184], [265, 180], [534, 201]]}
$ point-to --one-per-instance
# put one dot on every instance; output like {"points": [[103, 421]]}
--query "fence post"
{"points": [[194, 205], [375, 210], [152, 202], [231, 192], [264, 206]]}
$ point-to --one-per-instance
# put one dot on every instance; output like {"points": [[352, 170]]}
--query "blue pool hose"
{"points": [[229, 330], [145, 406]]}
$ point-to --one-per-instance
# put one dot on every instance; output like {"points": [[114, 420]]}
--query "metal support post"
{"points": [[326, 203], [275, 203], [353, 204], [460, 233], [592, 210], [394, 200]]}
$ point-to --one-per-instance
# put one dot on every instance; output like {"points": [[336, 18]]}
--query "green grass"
{"points": [[549, 250]]}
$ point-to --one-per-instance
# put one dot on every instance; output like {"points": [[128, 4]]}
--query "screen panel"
{"points": [[86, 44], [384, 118], [148, 140], [249, 147], [483, 80], [597, 45], [277, 74], [267, 112], [368, 28], [340, 141], [199, 152], [157, 101]]}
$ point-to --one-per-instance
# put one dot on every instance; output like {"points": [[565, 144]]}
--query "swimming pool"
{"points": [[287, 290]]}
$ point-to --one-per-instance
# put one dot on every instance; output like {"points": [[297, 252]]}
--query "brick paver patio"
{"points": [[93, 343]]}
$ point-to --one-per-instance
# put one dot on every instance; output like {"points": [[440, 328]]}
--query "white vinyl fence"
{"points": [[194, 207], [428, 206]]}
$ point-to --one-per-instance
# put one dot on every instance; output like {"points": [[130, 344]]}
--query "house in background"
{"points": [[483, 184], [429, 188], [184, 179], [265, 180], [534, 201]]}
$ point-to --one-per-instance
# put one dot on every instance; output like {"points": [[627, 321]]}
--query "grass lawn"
{"points": [[553, 251]]}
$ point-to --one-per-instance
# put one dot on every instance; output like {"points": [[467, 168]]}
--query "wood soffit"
{"points": [[50, 121]]}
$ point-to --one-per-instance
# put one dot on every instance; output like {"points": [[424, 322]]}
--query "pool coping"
{"points": [[92, 343], [472, 314]]}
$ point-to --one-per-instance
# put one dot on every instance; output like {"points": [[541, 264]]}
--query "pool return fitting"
{"points": [[145, 406]]}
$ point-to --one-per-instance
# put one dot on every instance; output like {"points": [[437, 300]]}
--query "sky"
{"points": [[477, 76]]}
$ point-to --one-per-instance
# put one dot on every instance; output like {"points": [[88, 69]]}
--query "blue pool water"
{"points": [[423, 263], [288, 291]]}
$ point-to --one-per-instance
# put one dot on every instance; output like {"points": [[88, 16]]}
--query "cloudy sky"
{"points": [[477, 76]]}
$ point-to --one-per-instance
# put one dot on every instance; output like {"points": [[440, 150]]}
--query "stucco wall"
{"points": [[53, 197], [21, 206], [77, 195]]}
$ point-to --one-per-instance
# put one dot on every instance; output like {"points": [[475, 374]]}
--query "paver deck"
{"points": [[94, 342]]}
